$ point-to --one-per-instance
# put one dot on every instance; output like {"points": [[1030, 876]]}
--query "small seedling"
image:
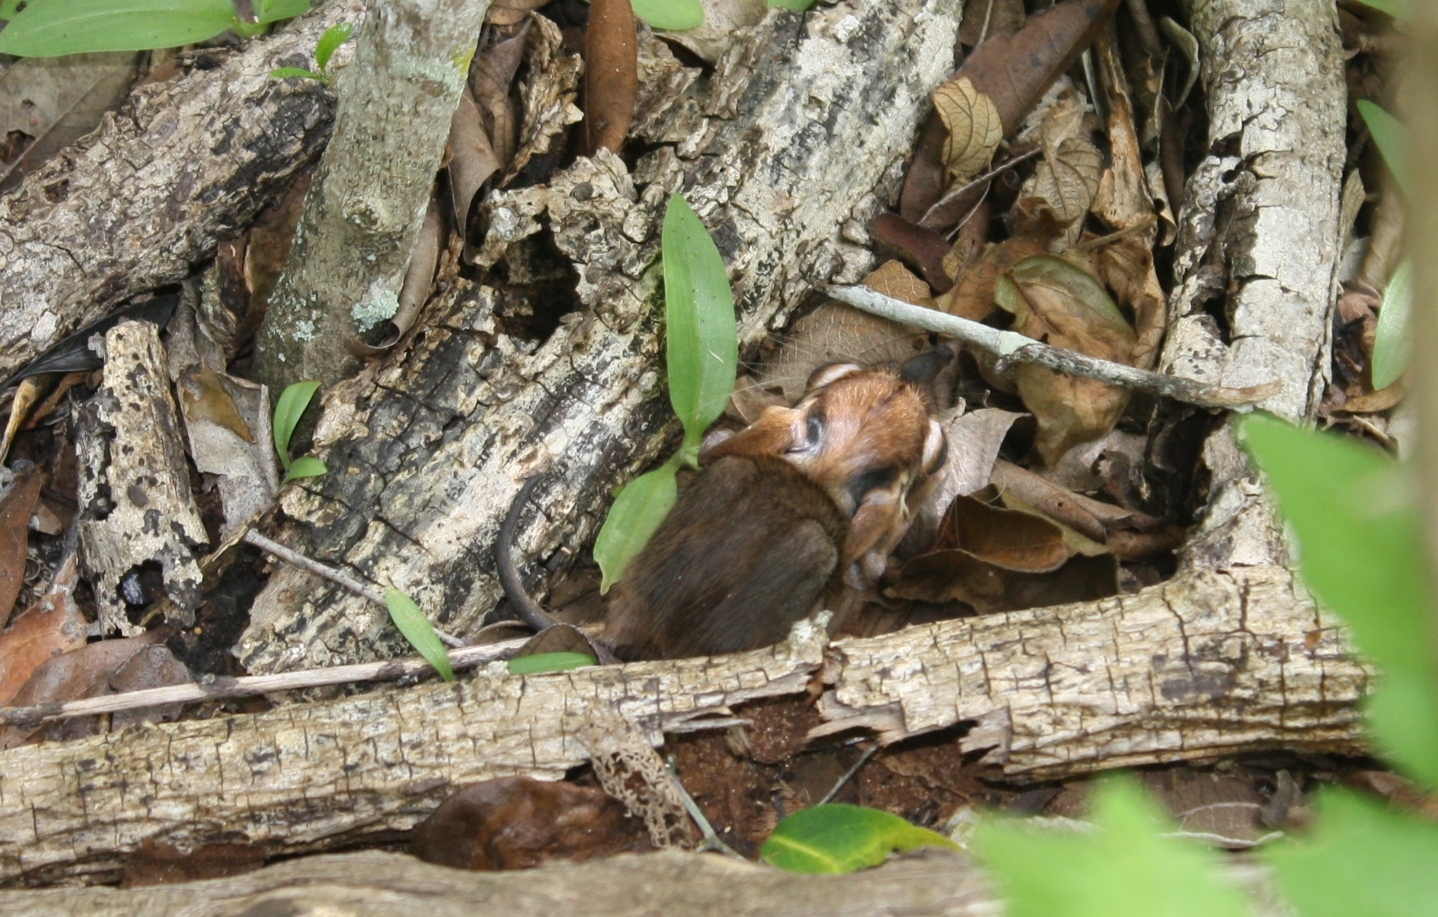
{"points": [[288, 411], [407, 616], [329, 42], [702, 353]]}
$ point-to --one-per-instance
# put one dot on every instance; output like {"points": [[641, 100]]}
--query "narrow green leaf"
{"points": [[305, 467], [49, 28], [1392, 343], [418, 631], [284, 73], [839, 838], [1123, 869], [329, 42], [1362, 858], [670, 15], [550, 662], [797, 6], [700, 332], [1391, 139], [1361, 553], [275, 10], [636, 513], [288, 411]]}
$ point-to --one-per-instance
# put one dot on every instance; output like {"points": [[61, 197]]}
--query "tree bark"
{"points": [[135, 205], [427, 449], [1205, 666], [363, 212]]}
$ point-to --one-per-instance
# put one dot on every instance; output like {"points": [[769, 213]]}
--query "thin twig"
{"points": [[1010, 346], [251, 685], [712, 841], [951, 196], [291, 556], [849, 774]]}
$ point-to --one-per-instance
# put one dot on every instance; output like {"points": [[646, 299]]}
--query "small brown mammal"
{"points": [[794, 513]]}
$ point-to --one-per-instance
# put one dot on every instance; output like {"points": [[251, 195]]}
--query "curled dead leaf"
{"points": [[973, 125], [611, 75]]}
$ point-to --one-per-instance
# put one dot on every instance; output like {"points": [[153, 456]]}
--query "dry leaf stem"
{"points": [[1012, 347]]}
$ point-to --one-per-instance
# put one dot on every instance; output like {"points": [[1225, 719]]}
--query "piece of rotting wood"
{"points": [[428, 447], [182, 165], [136, 509]]}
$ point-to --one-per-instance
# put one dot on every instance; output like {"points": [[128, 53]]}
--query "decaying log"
{"points": [[1204, 666], [427, 449], [364, 209], [134, 492], [929, 883], [136, 204]]}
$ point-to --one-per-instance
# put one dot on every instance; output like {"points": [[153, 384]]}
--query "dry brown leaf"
{"points": [[1064, 183], [611, 75], [471, 158], [29, 391], [920, 246], [749, 399], [896, 281], [1123, 200], [1126, 268], [973, 125], [203, 397], [82, 672], [419, 277], [520, 822], [974, 440], [490, 79], [1006, 538], [16, 506], [973, 296], [1055, 302], [50, 627]]}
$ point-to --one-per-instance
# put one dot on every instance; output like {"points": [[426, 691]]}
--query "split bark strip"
{"points": [[428, 448], [363, 212], [311, 776], [926, 884], [1012, 347], [1207, 665], [181, 166]]}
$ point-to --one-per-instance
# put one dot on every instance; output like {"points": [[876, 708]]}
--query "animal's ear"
{"points": [[924, 368], [774, 433], [830, 373]]}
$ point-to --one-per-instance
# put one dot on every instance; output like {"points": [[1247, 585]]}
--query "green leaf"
{"points": [[8, 9], [700, 333], [288, 411], [839, 838], [284, 73], [797, 6], [1361, 859], [330, 41], [1390, 138], [49, 28], [1395, 8], [636, 513], [550, 662], [1361, 553], [305, 467], [418, 631], [1123, 869], [1392, 343], [275, 10], [670, 15]]}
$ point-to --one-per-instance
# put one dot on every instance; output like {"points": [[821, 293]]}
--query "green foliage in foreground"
{"points": [[841, 838], [702, 353], [51, 28], [415, 627], [288, 410], [325, 48]]}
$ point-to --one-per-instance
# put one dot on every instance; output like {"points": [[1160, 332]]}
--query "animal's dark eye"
{"points": [[813, 431], [872, 479]]}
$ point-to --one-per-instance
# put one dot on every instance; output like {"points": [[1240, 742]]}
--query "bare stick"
{"points": [[250, 685], [1010, 346]]}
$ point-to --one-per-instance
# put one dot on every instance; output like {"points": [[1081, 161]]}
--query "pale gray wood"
{"points": [[135, 205], [134, 490], [363, 212]]}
